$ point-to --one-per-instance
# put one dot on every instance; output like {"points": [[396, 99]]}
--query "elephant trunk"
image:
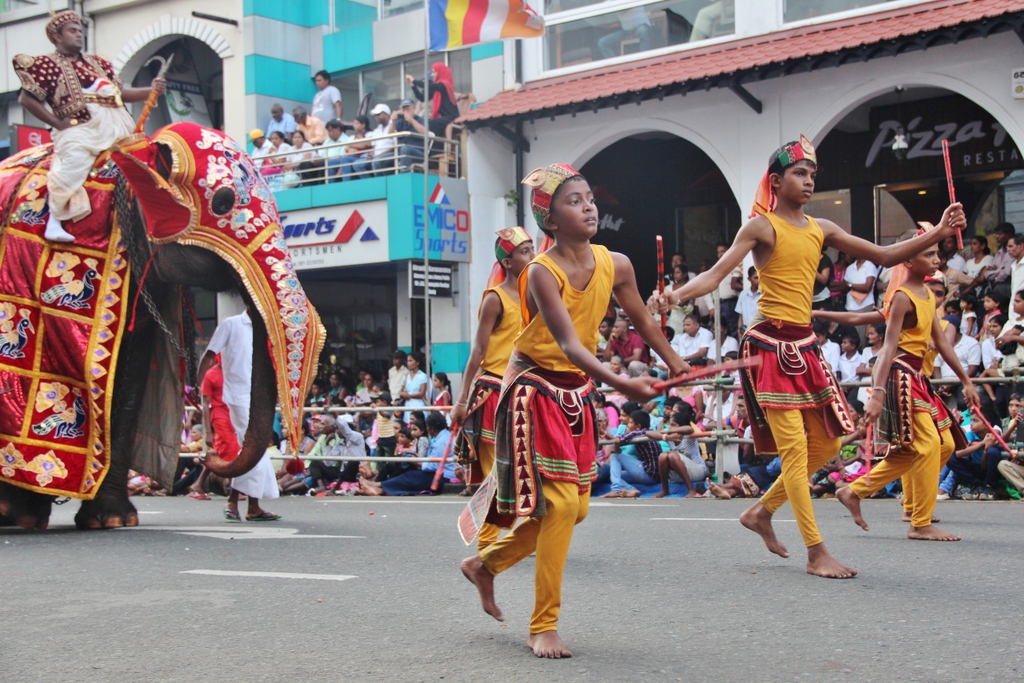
{"points": [[262, 400]]}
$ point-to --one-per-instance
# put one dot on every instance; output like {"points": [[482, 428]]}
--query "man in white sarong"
{"points": [[86, 110], [233, 341]]}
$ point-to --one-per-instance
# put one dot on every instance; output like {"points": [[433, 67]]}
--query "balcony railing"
{"points": [[344, 161]]}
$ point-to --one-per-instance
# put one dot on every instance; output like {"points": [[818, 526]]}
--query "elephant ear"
{"points": [[198, 187]]}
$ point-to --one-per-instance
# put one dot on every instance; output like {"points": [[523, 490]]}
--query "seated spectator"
{"points": [[272, 168], [642, 469], [859, 279], [829, 349], [313, 129], [994, 304], [443, 106], [746, 301], [604, 332], [729, 344], [695, 341], [336, 439], [683, 463], [975, 468], [141, 485], [298, 164], [628, 345], [737, 486], [849, 358], [967, 349], [409, 148], [280, 121], [327, 100], [1013, 471], [969, 315], [260, 146], [382, 146], [333, 150], [291, 478], [419, 480], [339, 389], [317, 395], [356, 162]]}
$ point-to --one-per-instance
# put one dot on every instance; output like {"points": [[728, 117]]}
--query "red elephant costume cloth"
{"points": [[63, 307], [189, 207], [62, 310]]}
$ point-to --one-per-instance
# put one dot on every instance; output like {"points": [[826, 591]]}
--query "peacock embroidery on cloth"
{"points": [[70, 292], [66, 421], [14, 335]]}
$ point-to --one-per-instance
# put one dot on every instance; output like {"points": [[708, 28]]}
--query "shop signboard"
{"points": [[442, 276], [1017, 84], [977, 144], [28, 136], [448, 206], [339, 235]]}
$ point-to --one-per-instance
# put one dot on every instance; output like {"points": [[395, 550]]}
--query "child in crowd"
{"points": [[849, 357], [830, 351], [317, 395], [969, 315], [995, 304], [684, 462], [639, 467], [442, 389]]}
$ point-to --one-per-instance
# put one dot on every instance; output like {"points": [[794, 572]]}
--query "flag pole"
{"points": [[426, 188]]}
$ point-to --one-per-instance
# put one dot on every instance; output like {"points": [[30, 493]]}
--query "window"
{"points": [[461, 64], [384, 84], [391, 8], [349, 88], [798, 10], [635, 30]]}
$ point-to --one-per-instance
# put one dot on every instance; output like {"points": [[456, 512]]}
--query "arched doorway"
{"points": [[656, 183], [194, 82], [878, 192]]}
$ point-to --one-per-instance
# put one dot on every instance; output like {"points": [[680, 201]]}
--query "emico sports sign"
{"points": [[341, 235]]}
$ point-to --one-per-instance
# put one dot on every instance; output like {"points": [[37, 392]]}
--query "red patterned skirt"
{"points": [[907, 391], [792, 376], [478, 427]]}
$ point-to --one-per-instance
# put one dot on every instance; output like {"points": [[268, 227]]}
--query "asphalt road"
{"points": [[668, 590]]}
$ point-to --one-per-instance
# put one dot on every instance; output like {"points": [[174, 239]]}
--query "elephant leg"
{"points": [[112, 508], [27, 509]]}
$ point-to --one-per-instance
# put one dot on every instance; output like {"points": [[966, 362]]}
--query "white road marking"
{"points": [[706, 519], [151, 512], [595, 504], [271, 575], [239, 532]]}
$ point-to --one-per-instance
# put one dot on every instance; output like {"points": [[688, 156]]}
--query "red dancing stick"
{"points": [[447, 452], [869, 452], [977, 411], [952, 190], [728, 366], [661, 274]]}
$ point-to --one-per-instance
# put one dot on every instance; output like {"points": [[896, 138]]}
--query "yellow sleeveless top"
{"points": [[586, 308], [787, 280], [915, 340], [499, 349], [928, 364]]}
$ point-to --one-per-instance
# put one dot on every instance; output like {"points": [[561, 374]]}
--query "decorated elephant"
{"points": [[96, 337]]}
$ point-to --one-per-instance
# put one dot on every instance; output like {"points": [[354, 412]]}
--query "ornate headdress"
{"points": [[765, 200], [508, 240], [58, 21], [544, 182]]}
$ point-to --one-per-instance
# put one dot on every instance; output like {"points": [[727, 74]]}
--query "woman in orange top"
{"points": [[500, 322], [795, 406], [545, 440]]}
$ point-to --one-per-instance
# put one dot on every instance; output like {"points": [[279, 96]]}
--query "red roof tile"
{"points": [[740, 55]]}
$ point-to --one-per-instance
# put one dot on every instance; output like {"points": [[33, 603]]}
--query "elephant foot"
{"points": [[26, 509], [106, 513]]}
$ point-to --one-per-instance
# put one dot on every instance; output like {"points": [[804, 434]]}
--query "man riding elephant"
{"points": [[88, 114]]}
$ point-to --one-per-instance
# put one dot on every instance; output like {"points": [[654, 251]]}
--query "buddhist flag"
{"points": [[460, 23]]}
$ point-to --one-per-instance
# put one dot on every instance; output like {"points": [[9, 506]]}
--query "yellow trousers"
{"points": [[921, 461], [804, 446], [485, 453], [550, 537], [946, 449]]}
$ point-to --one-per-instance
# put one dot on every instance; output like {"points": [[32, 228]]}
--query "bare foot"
{"points": [[906, 518], [759, 520], [548, 645], [852, 502], [930, 533], [718, 492], [693, 494], [820, 563], [630, 494], [660, 494], [613, 494], [474, 570]]}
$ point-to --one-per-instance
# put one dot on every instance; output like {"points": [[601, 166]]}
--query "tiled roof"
{"points": [[737, 58]]}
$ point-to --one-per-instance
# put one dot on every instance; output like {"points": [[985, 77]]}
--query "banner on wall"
{"points": [[340, 235], [25, 137]]}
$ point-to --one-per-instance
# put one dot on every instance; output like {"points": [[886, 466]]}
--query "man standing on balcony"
{"points": [[88, 114], [327, 101]]}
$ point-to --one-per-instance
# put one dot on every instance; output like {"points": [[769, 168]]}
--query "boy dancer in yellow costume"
{"points": [[913, 419], [545, 441], [796, 407], [501, 321]]}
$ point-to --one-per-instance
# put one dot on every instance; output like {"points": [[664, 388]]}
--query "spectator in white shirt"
{"points": [[1015, 248], [728, 291], [260, 146], [729, 344], [382, 147], [874, 338], [967, 350], [327, 101], [829, 349], [746, 302], [860, 276], [849, 358], [695, 341]]}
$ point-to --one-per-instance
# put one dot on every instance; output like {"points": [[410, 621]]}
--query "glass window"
{"points": [[552, 6], [637, 30], [461, 64], [384, 84], [798, 10], [393, 7], [349, 88]]}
